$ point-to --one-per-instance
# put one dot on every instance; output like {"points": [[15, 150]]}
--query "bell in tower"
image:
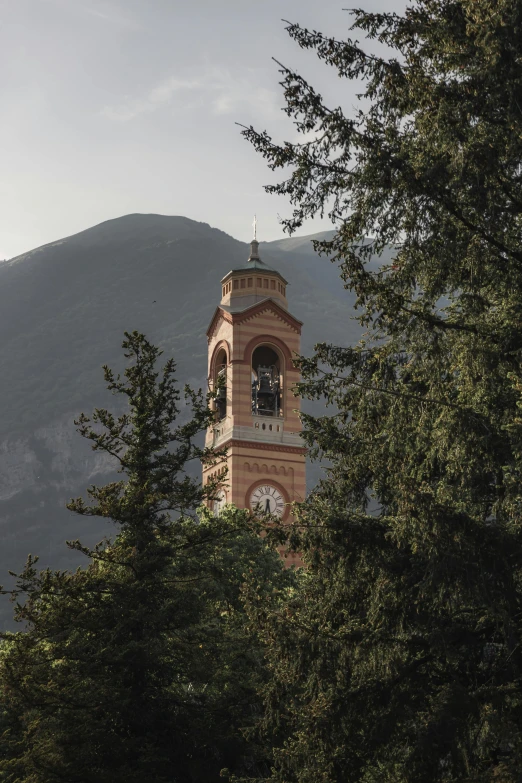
{"points": [[221, 392], [265, 391], [266, 382], [252, 340]]}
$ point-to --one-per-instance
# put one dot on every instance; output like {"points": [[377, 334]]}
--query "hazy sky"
{"points": [[118, 106]]}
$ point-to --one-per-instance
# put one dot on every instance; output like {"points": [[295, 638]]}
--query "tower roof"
{"points": [[254, 262]]}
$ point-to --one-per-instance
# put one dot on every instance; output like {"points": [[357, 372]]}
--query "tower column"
{"points": [[253, 338]]}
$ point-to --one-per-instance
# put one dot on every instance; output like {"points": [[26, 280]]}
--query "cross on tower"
{"points": [[255, 227]]}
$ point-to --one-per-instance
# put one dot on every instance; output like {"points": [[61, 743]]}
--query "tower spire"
{"points": [[254, 245]]}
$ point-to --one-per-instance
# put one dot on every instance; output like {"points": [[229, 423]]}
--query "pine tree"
{"points": [[138, 666], [400, 658]]}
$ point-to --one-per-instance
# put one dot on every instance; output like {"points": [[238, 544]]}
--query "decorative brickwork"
{"points": [[265, 453]]}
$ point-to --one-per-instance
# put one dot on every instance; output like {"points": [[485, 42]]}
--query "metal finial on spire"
{"points": [[254, 245]]}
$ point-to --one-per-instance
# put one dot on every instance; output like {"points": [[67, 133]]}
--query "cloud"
{"points": [[160, 95], [221, 90], [105, 10]]}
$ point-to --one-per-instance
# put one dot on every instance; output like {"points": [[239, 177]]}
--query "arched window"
{"points": [[220, 384], [267, 382]]}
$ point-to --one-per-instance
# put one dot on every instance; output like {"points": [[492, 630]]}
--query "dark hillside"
{"points": [[63, 310]]}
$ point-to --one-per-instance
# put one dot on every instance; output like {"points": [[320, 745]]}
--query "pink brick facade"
{"points": [[261, 449]]}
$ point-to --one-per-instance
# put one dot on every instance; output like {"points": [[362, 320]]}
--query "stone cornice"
{"points": [[251, 312], [219, 315], [268, 304], [252, 444]]}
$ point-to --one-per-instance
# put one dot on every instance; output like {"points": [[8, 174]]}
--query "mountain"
{"points": [[63, 310]]}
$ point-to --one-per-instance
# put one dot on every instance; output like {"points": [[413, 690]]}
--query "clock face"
{"points": [[219, 502], [266, 499]]}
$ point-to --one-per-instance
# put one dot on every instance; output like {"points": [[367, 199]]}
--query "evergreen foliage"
{"points": [[400, 659], [138, 667]]}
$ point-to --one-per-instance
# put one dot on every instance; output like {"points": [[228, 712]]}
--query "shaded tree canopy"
{"points": [[401, 657], [139, 666]]}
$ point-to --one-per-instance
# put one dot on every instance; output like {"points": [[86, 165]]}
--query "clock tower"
{"points": [[252, 339]]}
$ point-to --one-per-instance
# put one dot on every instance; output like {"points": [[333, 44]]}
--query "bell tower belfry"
{"points": [[252, 339]]}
